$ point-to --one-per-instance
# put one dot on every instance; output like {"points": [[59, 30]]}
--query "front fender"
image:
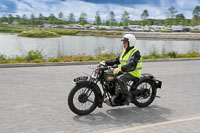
{"points": [[95, 87]]}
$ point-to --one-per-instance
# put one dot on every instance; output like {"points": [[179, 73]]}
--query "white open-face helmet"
{"points": [[130, 38]]}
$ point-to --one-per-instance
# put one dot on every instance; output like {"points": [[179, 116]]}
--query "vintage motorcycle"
{"points": [[87, 95]]}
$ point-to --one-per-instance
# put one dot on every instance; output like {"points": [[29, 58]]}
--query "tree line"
{"points": [[173, 18]]}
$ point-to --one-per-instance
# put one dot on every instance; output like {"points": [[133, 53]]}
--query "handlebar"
{"points": [[105, 67]]}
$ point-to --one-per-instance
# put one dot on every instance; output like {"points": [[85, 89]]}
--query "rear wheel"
{"points": [[82, 100], [147, 96]]}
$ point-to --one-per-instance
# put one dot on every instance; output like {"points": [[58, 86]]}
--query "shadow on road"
{"points": [[126, 116]]}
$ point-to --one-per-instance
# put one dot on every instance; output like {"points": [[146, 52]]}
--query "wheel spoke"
{"points": [[85, 90], [147, 87], [89, 93], [80, 95], [90, 101]]}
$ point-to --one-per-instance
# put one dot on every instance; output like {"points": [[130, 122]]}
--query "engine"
{"points": [[115, 92]]}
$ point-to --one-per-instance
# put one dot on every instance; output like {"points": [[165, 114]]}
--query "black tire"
{"points": [[152, 96], [71, 104]]}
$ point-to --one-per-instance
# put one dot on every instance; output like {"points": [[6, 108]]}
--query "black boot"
{"points": [[128, 99]]}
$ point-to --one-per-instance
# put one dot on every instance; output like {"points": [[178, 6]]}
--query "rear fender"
{"points": [[156, 82], [95, 87]]}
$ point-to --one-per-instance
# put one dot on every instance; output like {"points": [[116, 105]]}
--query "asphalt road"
{"points": [[34, 100]]}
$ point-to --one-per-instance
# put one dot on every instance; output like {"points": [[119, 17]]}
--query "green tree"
{"points": [[195, 21], [196, 11], [97, 19], [107, 23], [41, 19], [144, 15], [170, 21], [10, 18], [60, 18], [171, 12], [4, 18], [32, 19], [150, 21], [196, 16], [71, 18], [18, 19], [112, 19], [24, 19], [125, 18], [83, 18], [52, 19], [60, 15], [180, 19]]}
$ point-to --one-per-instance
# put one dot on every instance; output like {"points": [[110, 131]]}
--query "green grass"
{"points": [[164, 31], [38, 34], [171, 55], [37, 57], [194, 31], [63, 31], [3, 59], [12, 28]]}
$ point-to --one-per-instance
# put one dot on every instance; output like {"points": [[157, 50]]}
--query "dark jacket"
{"points": [[131, 66]]}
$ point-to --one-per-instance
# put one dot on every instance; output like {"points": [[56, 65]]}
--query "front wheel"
{"points": [[148, 94], [82, 100]]}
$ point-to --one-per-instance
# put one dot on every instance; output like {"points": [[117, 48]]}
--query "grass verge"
{"points": [[37, 57], [38, 34]]}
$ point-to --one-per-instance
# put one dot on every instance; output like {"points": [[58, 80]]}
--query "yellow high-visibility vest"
{"points": [[126, 59]]}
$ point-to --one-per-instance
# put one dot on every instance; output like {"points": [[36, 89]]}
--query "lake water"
{"points": [[12, 45]]}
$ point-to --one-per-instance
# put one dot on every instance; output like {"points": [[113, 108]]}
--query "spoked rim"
{"points": [[146, 94], [84, 99]]}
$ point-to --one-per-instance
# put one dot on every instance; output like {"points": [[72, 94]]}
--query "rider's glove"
{"points": [[117, 70], [103, 63]]}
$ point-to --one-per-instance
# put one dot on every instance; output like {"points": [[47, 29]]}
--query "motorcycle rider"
{"points": [[130, 62]]}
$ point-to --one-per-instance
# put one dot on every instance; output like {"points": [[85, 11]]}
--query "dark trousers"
{"points": [[123, 79]]}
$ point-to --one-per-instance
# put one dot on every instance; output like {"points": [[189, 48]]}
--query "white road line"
{"points": [[154, 124]]}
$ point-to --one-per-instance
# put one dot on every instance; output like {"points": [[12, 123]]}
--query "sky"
{"points": [[157, 8]]}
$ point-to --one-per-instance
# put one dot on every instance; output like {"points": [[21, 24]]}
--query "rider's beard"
{"points": [[125, 47]]}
